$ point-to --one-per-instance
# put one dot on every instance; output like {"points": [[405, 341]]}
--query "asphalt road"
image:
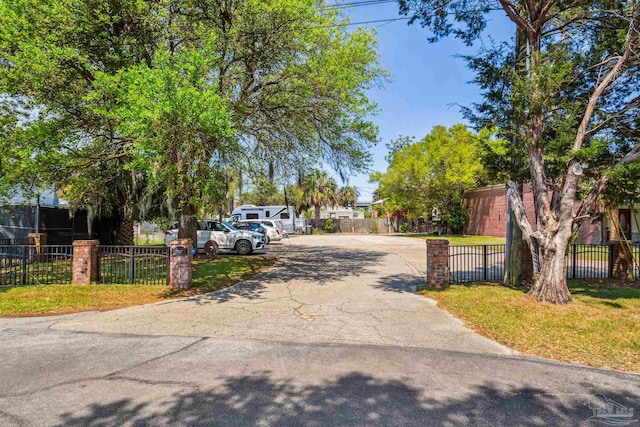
{"points": [[297, 369]]}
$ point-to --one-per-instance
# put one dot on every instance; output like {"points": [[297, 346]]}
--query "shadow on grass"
{"points": [[601, 289], [349, 400], [604, 289], [210, 275]]}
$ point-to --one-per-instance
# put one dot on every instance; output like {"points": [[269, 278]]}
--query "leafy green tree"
{"points": [[320, 190], [580, 71], [284, 81], [433, 172], [347, 196]]}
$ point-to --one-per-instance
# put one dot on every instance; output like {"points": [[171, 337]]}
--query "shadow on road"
{"points": [[400, 283], [314, 265], [353, 399]]}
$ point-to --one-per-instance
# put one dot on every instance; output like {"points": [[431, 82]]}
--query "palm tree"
{"points": [[320, 190], [347, 196]]}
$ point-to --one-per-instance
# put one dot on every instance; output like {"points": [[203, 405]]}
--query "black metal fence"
{"points": [[22, 265], [486, 262], [477, 263], [135, 265], [16, 241], [588, 262]]}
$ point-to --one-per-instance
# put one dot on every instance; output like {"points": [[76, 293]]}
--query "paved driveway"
{"points": [[333, 289], [331, 336]]}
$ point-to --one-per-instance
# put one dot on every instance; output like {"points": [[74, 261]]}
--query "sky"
{"points": [[427, 82]]}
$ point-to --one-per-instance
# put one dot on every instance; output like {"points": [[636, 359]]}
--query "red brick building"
{"points": [[487, 208]]}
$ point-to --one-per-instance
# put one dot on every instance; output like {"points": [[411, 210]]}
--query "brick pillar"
{"points": [[180, 263], [437, 264], [85, 262], [39, 240]]}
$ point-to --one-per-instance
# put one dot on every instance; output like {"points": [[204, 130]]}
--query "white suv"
{"points": [[214, 235]]}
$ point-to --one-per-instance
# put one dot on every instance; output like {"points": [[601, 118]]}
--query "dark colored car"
{"points": [[253, 226]]}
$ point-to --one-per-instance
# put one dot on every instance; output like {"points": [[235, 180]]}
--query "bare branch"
{"points": [[513, 195], [630, 45], [512, 13]]}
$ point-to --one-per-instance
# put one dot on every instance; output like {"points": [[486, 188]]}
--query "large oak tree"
{"points": [[181, 90], [581, 67]]}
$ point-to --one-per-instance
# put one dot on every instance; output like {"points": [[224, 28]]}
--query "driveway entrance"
{"points": [[324, 289]]}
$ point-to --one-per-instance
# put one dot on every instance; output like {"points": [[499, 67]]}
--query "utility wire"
{"points": [[358, 4]]}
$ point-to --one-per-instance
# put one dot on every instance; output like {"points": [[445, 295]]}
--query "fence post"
{"points": [[437, 263], [180, 263], [484, 263], [85, 262], [132, 265], [25, 256], [574, 260]]}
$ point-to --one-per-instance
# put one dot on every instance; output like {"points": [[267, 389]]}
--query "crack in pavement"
{"points": [[108, 376]]}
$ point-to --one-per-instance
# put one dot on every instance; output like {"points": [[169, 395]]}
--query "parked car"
{"points": [[214, 236], [253, 226], [274, 233]]}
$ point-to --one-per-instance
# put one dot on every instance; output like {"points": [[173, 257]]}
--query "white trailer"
{"points": [[285, 214]]}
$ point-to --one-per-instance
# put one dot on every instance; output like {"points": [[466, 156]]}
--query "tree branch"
{"points": [[612, 75]]}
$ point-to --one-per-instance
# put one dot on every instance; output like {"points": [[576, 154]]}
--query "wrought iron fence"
{"points": [[486, 262], [22, 265], [135, 265], [477, 263], [588, 262], [16, 241]]}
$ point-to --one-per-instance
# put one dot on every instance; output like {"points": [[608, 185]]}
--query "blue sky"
{"points": [[427, 80]]}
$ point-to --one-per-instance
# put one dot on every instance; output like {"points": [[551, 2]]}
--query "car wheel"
{"points": [[243, 247], [211, 249], [268, 240]]}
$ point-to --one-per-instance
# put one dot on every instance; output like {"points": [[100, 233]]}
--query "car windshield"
{"points": [[229, 226]]}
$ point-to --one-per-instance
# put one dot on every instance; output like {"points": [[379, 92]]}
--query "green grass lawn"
{"points": [[208, 276], [600, 328], [460, 240]]}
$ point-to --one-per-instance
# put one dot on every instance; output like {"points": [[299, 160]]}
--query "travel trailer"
{"points": [[285, 214]]}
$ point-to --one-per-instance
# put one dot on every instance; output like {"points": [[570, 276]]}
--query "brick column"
{"points": [[180, 263], [437, 264], [85, 262], [39, 240]]}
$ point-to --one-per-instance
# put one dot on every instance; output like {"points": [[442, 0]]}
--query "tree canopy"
{"points": [[433, 172], [112, 94], [569, 95]]}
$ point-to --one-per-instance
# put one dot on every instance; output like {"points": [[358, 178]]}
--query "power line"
{"points": [[403, 18], [358, 4]]}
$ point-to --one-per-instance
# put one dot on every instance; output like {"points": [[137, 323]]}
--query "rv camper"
{"points": [[285, 214]]}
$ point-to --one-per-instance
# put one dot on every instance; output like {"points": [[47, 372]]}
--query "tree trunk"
{"points": [[188, 228], [126, 228], [550, 283], [317, 214], [514, 274], [548, 245]]}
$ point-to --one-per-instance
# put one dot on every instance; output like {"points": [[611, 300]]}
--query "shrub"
{"points": [[374, 227], [328, 225], [458, 220], [404, 227]]}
